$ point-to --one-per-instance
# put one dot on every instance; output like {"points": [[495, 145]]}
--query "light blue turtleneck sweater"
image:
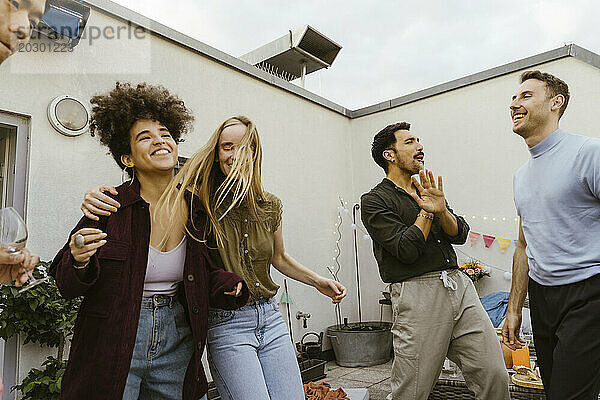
{"points": [[557, 195]]}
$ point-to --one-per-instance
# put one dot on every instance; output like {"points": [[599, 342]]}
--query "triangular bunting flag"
{"points": [[488, 240], [504, 243], [286, 299], [474, 237]]}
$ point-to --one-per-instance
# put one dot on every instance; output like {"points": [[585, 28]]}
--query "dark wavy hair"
{"points": [[384, 140], [114, 114], [554, 86]]}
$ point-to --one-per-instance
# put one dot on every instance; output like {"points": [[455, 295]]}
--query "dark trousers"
{"points": [[566, 332]]}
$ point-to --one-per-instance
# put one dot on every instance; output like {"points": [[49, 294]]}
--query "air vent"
{"points": [[296, 54]]}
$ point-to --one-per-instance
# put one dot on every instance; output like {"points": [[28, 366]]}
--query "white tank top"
{"points": [[164, 270]]}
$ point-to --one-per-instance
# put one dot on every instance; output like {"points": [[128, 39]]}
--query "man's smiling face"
{"points": [[17, 17], [530, 107]]}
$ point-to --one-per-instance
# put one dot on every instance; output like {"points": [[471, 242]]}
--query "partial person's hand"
{"points": [[511, 329], [237, 292], [17, 267], [330, 288], [96, 203], [432, 197], [93, 239]]}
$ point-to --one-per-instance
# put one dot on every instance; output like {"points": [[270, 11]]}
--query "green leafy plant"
{"points": [[44, 317], [43, 384]]}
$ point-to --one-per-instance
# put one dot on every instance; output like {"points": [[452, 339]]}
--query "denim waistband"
{"points": [[263, 300], [159, 300]]}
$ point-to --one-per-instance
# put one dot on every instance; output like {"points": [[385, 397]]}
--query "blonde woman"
{"points": [[249, 350]]}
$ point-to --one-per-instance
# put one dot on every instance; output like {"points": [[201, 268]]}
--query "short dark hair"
{"points": [[554, 86], [115, 113], [384, 140]]}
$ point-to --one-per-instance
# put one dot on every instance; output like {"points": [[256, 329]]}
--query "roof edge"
{"points": [[570, 50], [131, 17]]}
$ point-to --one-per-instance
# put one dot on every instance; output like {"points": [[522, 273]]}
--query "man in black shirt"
{"points": [[437, 312]]}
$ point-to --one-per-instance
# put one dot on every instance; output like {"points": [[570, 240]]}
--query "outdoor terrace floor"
{"points": [[376, 378]]}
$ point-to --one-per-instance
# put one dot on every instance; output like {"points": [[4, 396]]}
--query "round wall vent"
{"points": [[69, 116]]}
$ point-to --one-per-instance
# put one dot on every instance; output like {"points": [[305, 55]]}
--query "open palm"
{"points": [[432, 197]]}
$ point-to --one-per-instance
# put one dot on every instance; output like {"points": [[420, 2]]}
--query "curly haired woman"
{"points": [[142, 326]]}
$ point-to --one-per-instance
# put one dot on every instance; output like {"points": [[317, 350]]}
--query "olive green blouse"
{"points": [[249, 244]]}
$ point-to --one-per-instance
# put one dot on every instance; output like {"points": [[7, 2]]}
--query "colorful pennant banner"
{"points": [[474, 237], [488, 240], [504, 243]]}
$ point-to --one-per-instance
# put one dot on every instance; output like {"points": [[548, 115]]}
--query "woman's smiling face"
{"points": [[229, 143], [153, 148]]}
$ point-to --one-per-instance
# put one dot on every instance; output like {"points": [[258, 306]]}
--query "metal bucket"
{"points": [[361, 348]]}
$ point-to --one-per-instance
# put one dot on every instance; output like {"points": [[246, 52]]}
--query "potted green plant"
{"points": [[44, 317]]}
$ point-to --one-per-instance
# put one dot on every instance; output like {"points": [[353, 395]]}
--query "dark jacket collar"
{"points": [[129, 193]]}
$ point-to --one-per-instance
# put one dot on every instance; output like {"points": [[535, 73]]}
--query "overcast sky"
{"points": [[390, 48]]}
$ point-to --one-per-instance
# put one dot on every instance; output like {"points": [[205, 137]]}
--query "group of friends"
{"points": [[179, 257]]}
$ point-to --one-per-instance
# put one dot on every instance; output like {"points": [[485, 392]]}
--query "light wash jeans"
{"points": [[163, 348], [250, 354]]}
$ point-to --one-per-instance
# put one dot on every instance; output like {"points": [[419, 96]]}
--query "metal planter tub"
{"points": [[361, 344]]}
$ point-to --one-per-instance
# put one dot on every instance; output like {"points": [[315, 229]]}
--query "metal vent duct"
{"points": [[296, 54]]}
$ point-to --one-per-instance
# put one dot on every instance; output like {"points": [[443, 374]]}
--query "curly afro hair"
{"points": [[114, 114]]}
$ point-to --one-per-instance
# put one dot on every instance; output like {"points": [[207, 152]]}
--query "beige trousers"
{"points": [[433, 321]]}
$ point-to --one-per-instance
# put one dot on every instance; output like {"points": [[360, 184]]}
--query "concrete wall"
{"points": [[467, 138]]}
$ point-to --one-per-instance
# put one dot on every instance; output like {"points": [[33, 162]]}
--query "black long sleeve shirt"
{"points": [[389, 213]]}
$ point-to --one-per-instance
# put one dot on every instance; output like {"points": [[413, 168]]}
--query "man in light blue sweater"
{"points": [[557, 195]]}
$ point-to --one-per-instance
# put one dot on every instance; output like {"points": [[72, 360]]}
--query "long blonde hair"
{"points": [[199, 175]]}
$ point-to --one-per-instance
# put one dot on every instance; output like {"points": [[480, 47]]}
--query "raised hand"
{"points": [[432, 197], [92, 240]]}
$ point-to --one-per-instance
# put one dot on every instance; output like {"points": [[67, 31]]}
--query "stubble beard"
{"points": [[411, 168]]}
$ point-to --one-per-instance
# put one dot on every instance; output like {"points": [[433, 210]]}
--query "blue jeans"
{"points": [[250, 354], [163, 348]]}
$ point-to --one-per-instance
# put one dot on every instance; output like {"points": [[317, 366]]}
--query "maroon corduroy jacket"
{"points": [[112, 290]]}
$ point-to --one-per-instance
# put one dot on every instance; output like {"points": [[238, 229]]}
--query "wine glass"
{"points": [[13, 237]]}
